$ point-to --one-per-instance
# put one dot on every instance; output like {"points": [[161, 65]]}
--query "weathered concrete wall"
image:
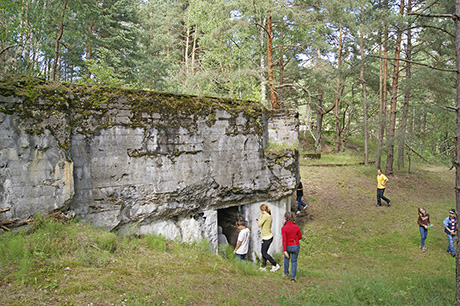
{"points": [[142, 162]]}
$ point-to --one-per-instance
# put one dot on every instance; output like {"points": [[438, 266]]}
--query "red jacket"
{"points": [[291, 234]]}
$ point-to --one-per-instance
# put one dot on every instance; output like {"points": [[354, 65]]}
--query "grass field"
{"points": [[353, 253]]}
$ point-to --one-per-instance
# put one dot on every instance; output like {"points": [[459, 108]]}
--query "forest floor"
{"points": [[353, 253]]}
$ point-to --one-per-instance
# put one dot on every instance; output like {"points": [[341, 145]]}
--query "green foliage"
{"points": [[24, 266], [221, 51], [102, 73], [226, 251], [156, 243], [277, 147]]}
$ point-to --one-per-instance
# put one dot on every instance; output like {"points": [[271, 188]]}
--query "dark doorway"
{"points": [[226, 218]]}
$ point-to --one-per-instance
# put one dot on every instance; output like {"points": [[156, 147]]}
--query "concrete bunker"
{"points": [[145, 162]]}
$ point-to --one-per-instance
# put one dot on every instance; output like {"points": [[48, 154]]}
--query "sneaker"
{"points": [[305, 207], [275, 268], [423, 249], [378, 205], [262, 269], [389, 203], [453, 254], [298, 212], [293, 280]]}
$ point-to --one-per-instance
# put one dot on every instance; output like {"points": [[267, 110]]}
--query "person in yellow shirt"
{"points": [[265, 223], [381, 184]]}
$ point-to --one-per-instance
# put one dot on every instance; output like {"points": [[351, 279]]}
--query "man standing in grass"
{"points": [[381, 184]]}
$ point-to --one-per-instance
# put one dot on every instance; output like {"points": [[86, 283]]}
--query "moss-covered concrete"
{"points": [[49, 97]]}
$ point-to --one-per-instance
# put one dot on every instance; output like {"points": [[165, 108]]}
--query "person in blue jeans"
{"points": [[424, 223], [450, 228], [291, 235], [299, 195]]}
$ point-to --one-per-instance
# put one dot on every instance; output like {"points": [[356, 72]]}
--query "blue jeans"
{"points": [[241, 256], [423, 234], [380, 196], [450, 247], [300, 203], [293, 251]]}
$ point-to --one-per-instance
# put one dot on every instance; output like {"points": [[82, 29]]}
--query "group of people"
{"points": [[450, 223], [450, 228], [291, 236]]}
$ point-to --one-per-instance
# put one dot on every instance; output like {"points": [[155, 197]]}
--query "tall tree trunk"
{"points": [[281, 81], [270, 62], [89, 53], [320, 112], [338, 142], [383, 93], [195, 37], [27, 47], [187, 38], [394, 95], [319, 121], [402, 129], [363, 84], [319, 115], [263, 88], [58, 39], [149, 46], [168, 46], [457, 134]]}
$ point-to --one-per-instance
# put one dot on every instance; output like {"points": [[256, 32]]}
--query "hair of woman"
{"points": [[264, 207], [289, 216]]}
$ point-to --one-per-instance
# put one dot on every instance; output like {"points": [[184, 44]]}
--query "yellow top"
{"points": [[265, 222], [381, 180]]}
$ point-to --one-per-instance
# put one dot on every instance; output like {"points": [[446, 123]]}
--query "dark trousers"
{"points": [[265, 255], [300, 203], [381, 196]]}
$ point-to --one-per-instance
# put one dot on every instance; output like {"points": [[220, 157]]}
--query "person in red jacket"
{"points": [[291, 235]]}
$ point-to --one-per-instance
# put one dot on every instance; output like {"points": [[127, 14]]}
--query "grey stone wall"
{"points": [[142, 162]]}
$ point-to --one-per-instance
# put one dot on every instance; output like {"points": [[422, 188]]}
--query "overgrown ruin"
{"points": [[140, 162]]}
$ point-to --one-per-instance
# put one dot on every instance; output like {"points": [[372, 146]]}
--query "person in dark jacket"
{"points": [[299, 194]]}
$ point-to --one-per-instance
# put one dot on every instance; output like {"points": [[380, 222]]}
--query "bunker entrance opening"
{"points": [[226, 219]]}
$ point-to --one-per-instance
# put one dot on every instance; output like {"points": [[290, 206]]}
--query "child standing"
{"points": [[424, 222], [450, 228], [242, 245]]}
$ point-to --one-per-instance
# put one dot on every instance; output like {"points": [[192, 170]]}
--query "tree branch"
{"points": [[7, 48], [452, 16], [415, 63], [424, 26], [296, 46], [258, 24]]}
